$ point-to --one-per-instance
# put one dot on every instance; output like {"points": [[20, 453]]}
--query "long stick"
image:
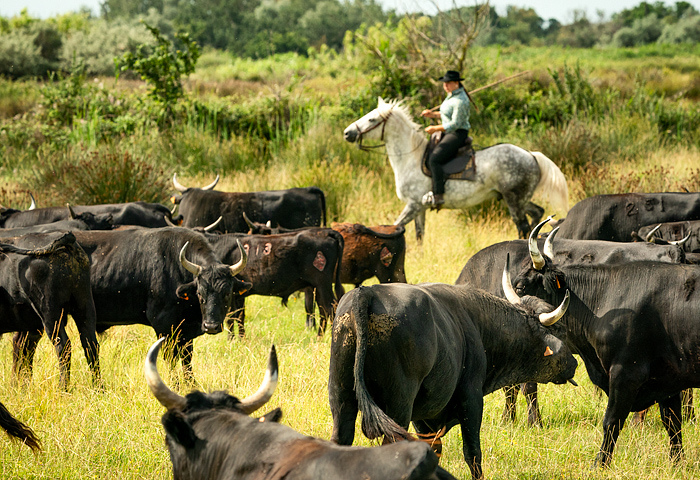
{"points": [[489, 86]]}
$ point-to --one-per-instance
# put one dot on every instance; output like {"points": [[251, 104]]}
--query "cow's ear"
{"points": [[273, 416], [187, 291], [241, 287], [178, 428]]}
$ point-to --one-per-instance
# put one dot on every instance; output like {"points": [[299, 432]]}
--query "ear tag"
{"points": [[185, 297], [548, 352], [558, 284]]}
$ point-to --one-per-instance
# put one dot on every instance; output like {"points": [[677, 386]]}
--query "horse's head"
{"points": [[372, 125]]}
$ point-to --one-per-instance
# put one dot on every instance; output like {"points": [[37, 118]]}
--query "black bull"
{"points": [[286, 263], [44, 277], [429, 354], [167, 278], [483, 270], [292, 208], [637, 329], [685, 234], [615, 217], [132, 213], [212, 436]]}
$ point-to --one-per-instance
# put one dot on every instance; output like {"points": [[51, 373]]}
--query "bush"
{"points": [[99, 176], [686, 30]]}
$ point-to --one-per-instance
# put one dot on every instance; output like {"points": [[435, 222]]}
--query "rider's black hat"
{"points": [[451, 76]]}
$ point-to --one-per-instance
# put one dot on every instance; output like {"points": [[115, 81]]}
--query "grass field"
{"points": [[116, 434]]}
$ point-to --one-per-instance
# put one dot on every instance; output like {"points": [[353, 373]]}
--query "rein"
{"points": [[369, 148]]}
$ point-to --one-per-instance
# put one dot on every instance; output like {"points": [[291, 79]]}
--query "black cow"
{"points": [[482, 270], [615, 217], [168, 278], [292, 208], [637, 329], [18, 430], [212, 436], [83, 221], [282, 264], [429, 354], [684, 234], [43, 278], [132, 213]]}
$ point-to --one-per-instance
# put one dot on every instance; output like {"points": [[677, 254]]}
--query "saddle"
{"points": [[462, 167]]}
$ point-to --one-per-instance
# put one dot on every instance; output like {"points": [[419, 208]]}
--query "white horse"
{"points": [[502, 171]]}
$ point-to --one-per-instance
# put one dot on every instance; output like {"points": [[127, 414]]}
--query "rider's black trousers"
{"points": [[445, 151]]}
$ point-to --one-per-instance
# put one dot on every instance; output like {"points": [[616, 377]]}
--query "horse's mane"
{"points": [[397, 107]]}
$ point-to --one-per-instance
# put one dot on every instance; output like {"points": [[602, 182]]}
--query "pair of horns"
{"points": [[651, 239], [181, 188], [535, 255], [170, 399], [546, 319], [195, 269]]}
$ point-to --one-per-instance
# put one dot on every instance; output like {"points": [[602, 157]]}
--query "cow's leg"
{"points": [[622, 391], [54, 326], [471, 406], [688, 408], [517, 213], [511, 394], [325, 307], [310, 306], [420, 226], [23, 348], [529, 389], [341, 395], [83, 312], [671, 417]]}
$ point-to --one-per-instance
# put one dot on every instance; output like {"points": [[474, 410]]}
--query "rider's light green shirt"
{"points": [[454, 111]]}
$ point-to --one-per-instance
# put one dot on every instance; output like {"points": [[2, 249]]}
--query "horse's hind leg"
{"points": [[518, 213], [535, 212]]}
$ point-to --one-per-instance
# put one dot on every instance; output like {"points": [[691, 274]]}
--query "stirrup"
{"points": [[430, 200]]}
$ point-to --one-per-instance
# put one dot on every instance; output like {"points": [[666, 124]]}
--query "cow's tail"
{"points": [[323, 203], [18, 430], [375, 422], [552, 184], [339, 290]]}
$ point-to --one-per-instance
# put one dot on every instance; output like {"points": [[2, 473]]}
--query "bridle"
{"points": [[369, 148]]}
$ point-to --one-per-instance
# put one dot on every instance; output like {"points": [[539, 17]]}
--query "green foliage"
{"points": [[99, 176], [29, 48], [162, 66]]}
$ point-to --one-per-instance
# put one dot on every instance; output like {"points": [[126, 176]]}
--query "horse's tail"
{"points": [[552, 184]]}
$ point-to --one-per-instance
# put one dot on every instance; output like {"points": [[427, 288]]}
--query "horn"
{"points": [[214, 225], [535, 255], [33, 204], [248, 221], [650, 236], [572, 382], [250, 404], [71, 213], [172, 212], [168, 221], [238, 268], [193, 268], [507, 285], [549, 319], [681, 241], [178, 186], [269, 224], [548, 250], [160, 390], [212, 184]]}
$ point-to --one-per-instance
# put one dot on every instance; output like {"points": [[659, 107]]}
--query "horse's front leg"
{"points": [[410, 212]]}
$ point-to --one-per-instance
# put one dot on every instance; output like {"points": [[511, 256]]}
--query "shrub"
{"points": [[99, 176], [686, 30]]}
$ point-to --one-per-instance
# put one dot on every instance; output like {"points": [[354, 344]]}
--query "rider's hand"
{"points": [[425, 113], [433, 128]]}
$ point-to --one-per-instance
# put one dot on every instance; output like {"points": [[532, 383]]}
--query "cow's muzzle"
{"points": [[212, 328]]}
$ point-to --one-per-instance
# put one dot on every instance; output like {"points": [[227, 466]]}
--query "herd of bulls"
{"points": [[424, 354]]}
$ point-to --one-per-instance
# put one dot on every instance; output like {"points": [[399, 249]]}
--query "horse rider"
{"points": [[454, 117]]}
